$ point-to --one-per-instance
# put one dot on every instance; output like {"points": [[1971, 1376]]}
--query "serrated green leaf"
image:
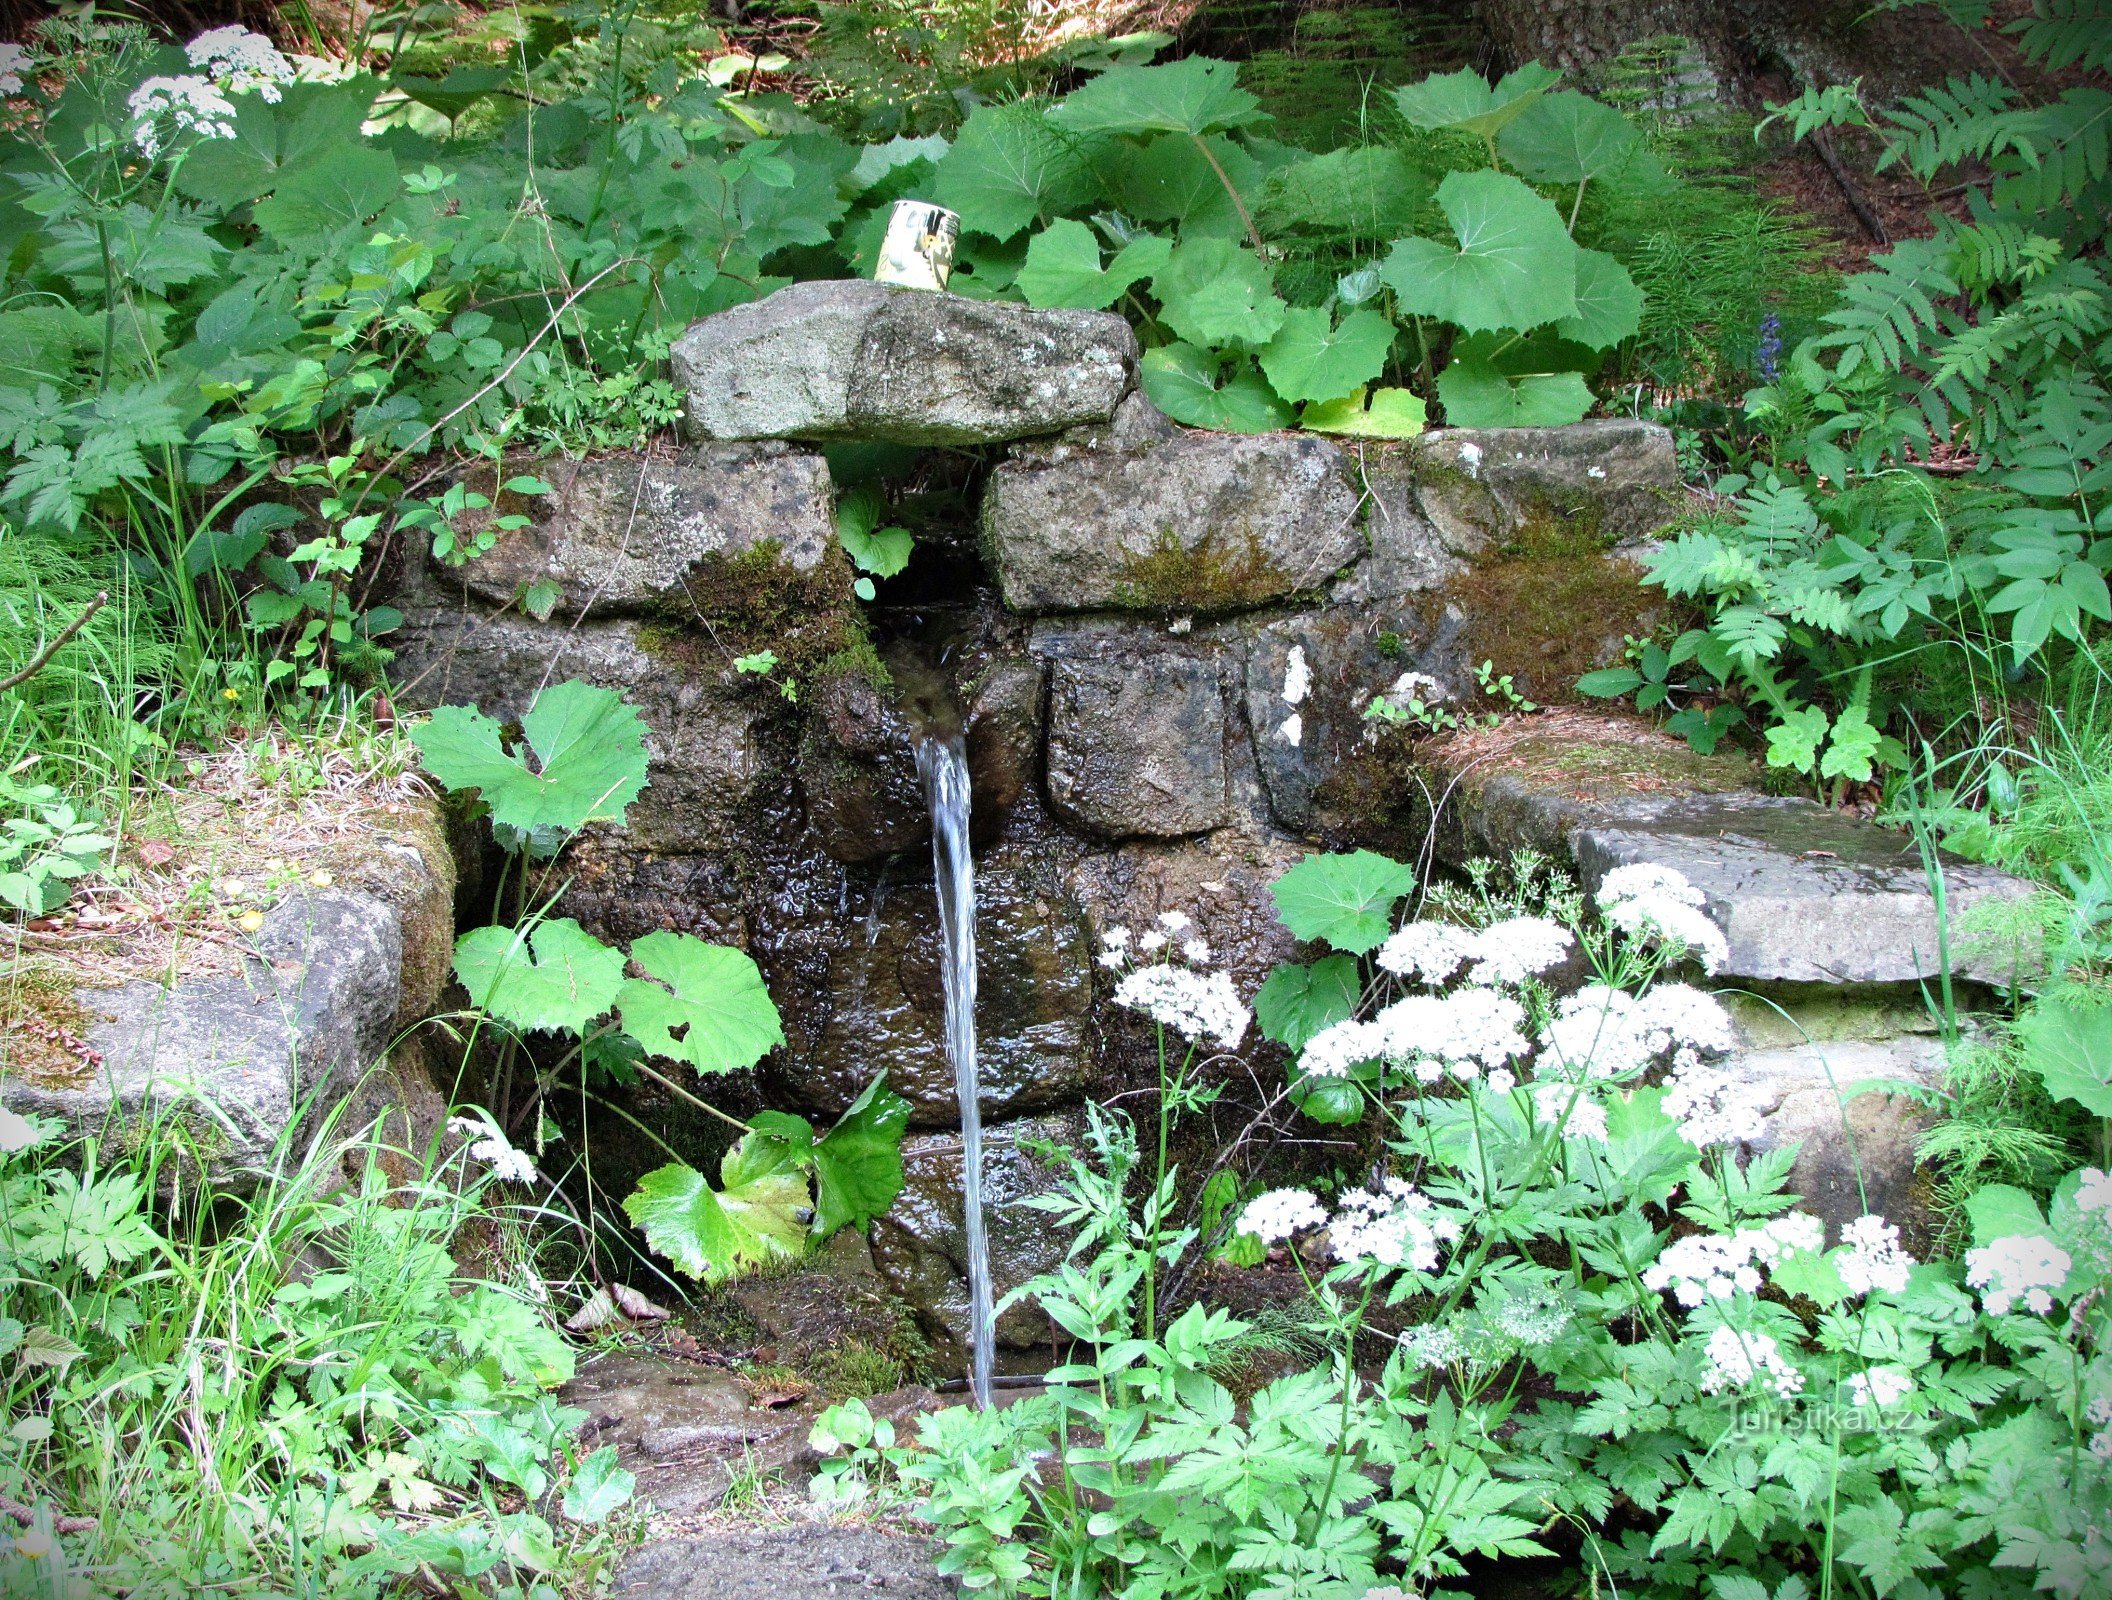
{"points": [[1476, 395], [1794, 741], [1337, 1102], [1468, 101], [1195, 95], [1215, 292], [1609, 305], [1174, 179], [2068, 1042], [324, 196], [2000, 1211], [1299, 1001], [758, 1217], [597, 1487], [1063, 267], [1391, 414], [1009, 168], [1194, 386], [1313, 358], [1568, 138], [589, 749], [1852, 747], [858, 1164], [1515, 266], [311, 122], [554, 977], [700, 1003], [1368, 193], [1343, 900]]}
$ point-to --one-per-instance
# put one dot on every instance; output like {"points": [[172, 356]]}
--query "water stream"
{"points": [[942, 764]]}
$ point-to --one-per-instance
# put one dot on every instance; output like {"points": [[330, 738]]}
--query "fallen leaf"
{"points": [[157, 853], [636, 1306], [596, 1314]]}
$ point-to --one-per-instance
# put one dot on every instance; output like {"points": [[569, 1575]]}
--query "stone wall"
{"points": [[1159, 644]]}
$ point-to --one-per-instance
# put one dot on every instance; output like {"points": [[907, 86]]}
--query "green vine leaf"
{"points": [[589, 750], [1515, 268], [1467, 101], [1009, 168], [1391, 414], [1063, 267], [1312, 358], [1193, 386], [1342, 900], [757, 1216], [1214, 292], [699, 1003], [554, 977], [1195, 95]]}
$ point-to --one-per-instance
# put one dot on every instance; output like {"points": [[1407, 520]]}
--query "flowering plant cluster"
{"points": [[1571, 1306]]}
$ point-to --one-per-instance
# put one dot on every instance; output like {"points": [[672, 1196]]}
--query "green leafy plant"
{"points": [[45, 844]]}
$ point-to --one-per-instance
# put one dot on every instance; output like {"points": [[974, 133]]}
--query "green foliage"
{"points": [[1342, 900], [1515, 267], [44, 845], [589, 750], [698, 1003], [553, 976]]}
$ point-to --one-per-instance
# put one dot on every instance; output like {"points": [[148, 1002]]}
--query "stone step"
{"points": [[810, 1562]]}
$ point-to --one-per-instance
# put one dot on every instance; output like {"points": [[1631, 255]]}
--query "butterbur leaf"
{"points": [[324, 196], [598, 1486], [1213, 292], [1999, 1211], [1369, 193], [1568, 138], [1312, 358], [883, 552], [1476, 395], [1175, 179], [2068, 1042], [1195, 95], [1468, 101], [700, 1003], [589, 750], [1390, 414], [1515, 266], [1343, 900], [1299, 1001], [1009, 168], [1063, 267], [1194, 386], [554, 976], [758, 1217], [858, 1163], [1609, 305], [1334, 1101]]}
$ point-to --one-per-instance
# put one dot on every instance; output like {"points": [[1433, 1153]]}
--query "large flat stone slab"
{"points": [[1184, 522], [628, 533], [854, 360], [809, 1562], [1137, 744]]}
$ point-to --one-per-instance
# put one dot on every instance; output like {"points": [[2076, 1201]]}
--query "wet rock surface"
{"points": [[626, 534], [1190, 522], [1137, 742], [854, 360], [791, 1563]]}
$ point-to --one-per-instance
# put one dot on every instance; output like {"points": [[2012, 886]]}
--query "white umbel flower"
{"points": [[1872, 1261], [1279, 1214], [1881, 1387], [2095, 1192], [1196, 1005], [491, 1147], [241, 62], [1431, 951], [1740, 1360], [162, 106], [1392, 1225], [1659, 906], [1466, 1031], [1712, 1107], [1518, 948], [14, 62], [2020, 1266]]}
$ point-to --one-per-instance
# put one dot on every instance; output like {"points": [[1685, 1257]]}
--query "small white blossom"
{"points": [[1297, 677], [1737, 1359], [1660, 906], [1432, 1345], [1777, 1237], [1392, 1225], [1603, 1032], [1534, 1319], [1149, 940], [185, 105], [1704, 1266], [2095, 1194], [1116, 937], [240, 61], [1281, 1213], [1175, 921], [490, 1146], [1872, 1261], [1713, 1107], [1467, 1030], [1582, 1115], [1335, 1050], [1196, 1005], [1196, 951], [14, 62], [1501, 1081], [1432, 951], [2021, 1266], [1517, 948], [1880, 1386]]}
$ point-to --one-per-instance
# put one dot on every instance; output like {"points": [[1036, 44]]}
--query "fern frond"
{"points": [[1962, 119], [1888, 310], [2067, 33], [1997, 251]]}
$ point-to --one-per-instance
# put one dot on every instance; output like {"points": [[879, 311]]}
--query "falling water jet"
{"points": [[942, 764]]}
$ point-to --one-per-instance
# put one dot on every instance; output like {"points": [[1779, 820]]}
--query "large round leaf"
{"points": [[1195, 95], [1467, 101], [1369, 193], [589, 750], [758, 1217], [1568, 138], [1299, 1001], [1173, 179], [1515, 267], [1344, 900], [1312, 358], [1389, 414], [1477, 395], [1008, 168], [555, 976], [1609, 305], [700, 1003], [858, 1163], [1213, 292], [1193, 386], [1063, 267]]}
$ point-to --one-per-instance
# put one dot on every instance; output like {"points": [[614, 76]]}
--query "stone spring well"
{"points": [[1111, 606]]}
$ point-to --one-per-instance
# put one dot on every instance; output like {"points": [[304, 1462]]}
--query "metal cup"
{"points": [[917, 252]]}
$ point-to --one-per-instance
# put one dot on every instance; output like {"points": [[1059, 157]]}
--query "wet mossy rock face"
{"points": [[1158, 645]]}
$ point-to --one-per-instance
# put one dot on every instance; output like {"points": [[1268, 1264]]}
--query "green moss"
{"points": [[45, 1027], [740, 604], [1211, 576]]}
